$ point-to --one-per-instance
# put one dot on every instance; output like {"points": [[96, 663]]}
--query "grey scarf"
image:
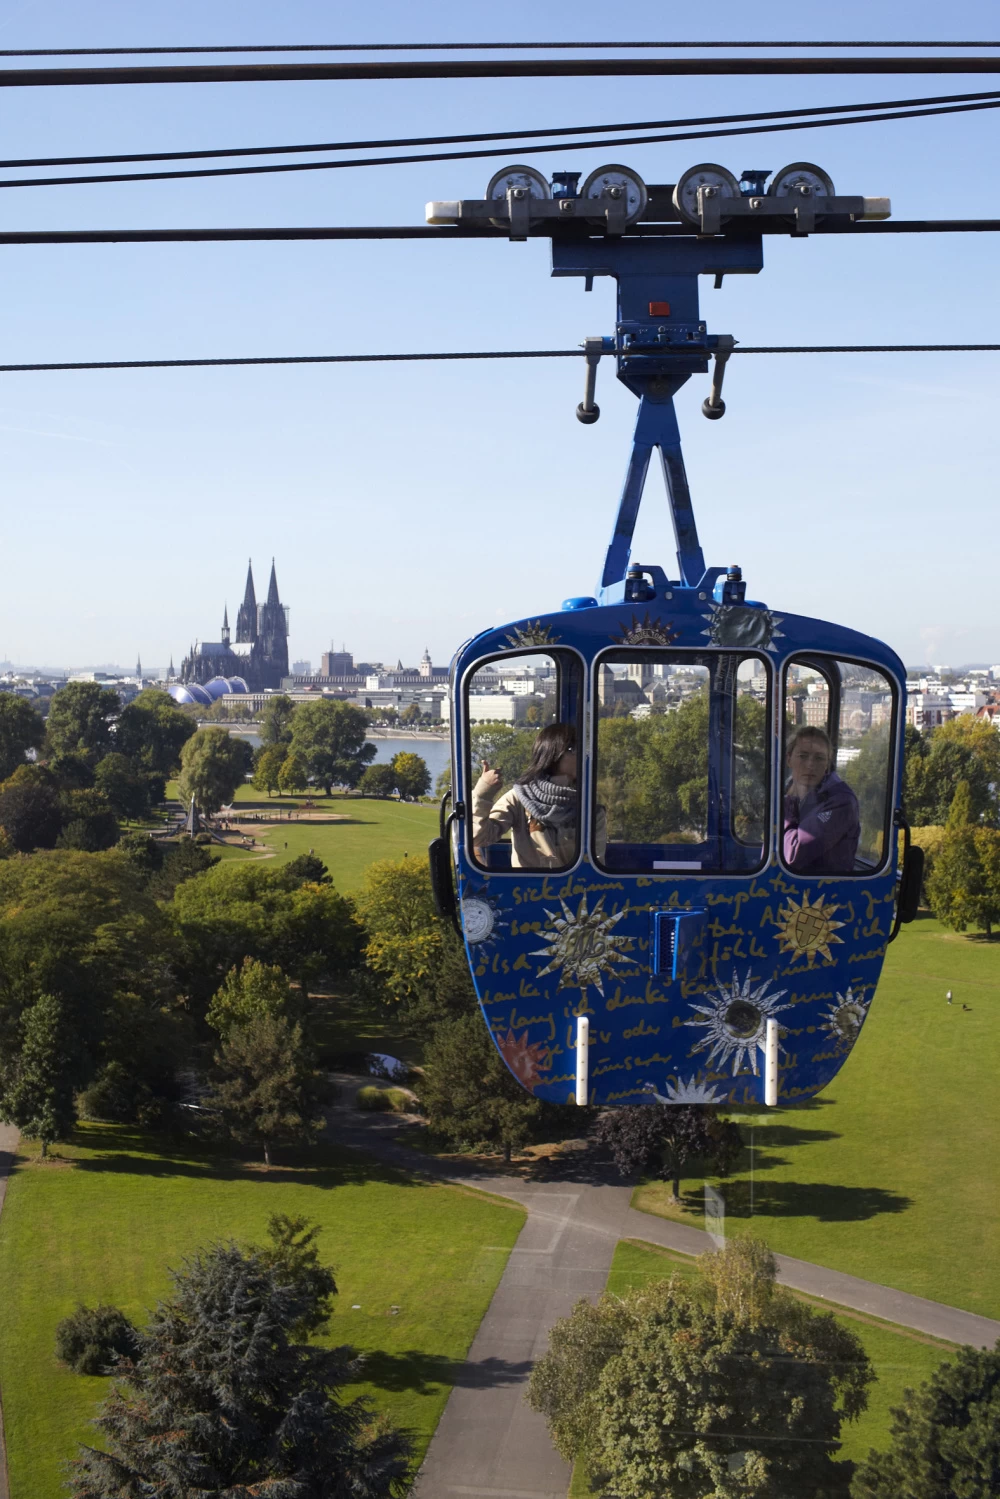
{"points": [[554, 807]]}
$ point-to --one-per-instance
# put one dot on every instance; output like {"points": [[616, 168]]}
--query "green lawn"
{"points": [[892, 1173], [372, 829], [105, 1220], [900, 1358]]}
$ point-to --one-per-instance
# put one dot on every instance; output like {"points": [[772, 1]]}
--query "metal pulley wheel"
{"points": [[614, 182], [791, 181], [527, 178], [706, 174]]}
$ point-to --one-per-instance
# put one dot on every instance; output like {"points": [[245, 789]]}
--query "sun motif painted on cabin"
{"points": [[844, 1019], [691, 1091], [646, 632], [582, 945], [481, 917], [808, 929], [533, 632], [526, 1062], [739, 624], [735, 1021]]}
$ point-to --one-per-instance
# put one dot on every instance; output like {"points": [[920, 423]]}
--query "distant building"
{"points": [[302, 668], [262, 629]]}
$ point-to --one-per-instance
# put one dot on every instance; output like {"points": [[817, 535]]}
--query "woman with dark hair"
{"points": [[541, 810], [822, 825]]}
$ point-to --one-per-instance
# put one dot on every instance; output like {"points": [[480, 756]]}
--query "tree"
{"points": [[222, 1400], [662, 1138], [965, 749], [964, 883], [30, 811], [378, 780], [443, 783], [293, 1255], [152, 730], [410, 714], [276, 721], [83, 929], [468, 1094], [126, 787], [88, 822], [254, 989], [330, 738], [267, 768], [21, 729], [307, 869], [412, 776], [293, 777], [213, 765], [80, 720], [681, 1391], [37, 1085], [230, 913], [945, 1436], [405, 937], [268, 1090], [71, 772]]}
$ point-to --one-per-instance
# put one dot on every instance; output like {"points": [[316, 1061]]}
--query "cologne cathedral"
{"points": [[260, 652]]}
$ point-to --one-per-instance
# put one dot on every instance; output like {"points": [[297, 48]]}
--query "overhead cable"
{"points": [[163, 364], [438, 234], [411, 158], [493, 135], [559, 67], [459, 47]]}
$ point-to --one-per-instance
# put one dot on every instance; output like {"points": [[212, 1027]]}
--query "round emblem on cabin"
{"points": [[477, 919]]}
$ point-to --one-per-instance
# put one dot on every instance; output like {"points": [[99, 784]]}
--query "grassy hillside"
{"points": [[892, 1172], [105, 1219]]}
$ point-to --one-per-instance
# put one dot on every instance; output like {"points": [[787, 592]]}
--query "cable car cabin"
{"points": [[675, 815], [727, 854]]}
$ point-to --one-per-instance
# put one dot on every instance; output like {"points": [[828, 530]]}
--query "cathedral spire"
{"points": [[272, 587], [138, 667], [225, 625], [246, 619]]}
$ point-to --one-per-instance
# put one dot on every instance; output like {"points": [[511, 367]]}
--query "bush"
{"points": [[119, 1095], [92, 1339], [385, 1100]]}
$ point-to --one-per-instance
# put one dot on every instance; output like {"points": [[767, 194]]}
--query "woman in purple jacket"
{"points": [[822, 825]]}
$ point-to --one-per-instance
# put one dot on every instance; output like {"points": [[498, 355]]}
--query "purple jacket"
{"points": [[822, 831]]}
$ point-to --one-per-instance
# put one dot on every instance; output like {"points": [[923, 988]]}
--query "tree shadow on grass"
{"points": [[821, 1201], [134, 1154], [414, 1370]]}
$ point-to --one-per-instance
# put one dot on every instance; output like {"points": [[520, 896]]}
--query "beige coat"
{"points": [[532, 846]]}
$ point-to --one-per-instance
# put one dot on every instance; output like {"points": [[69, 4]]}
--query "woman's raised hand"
{"points": [[490, 781]]}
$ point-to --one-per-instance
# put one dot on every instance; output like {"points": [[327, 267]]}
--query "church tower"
{"points": [[138, 668], [246, 619], [225, 625], [270, 652]]}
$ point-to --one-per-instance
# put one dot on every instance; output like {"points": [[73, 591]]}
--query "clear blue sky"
{"points": [[412, 505]]}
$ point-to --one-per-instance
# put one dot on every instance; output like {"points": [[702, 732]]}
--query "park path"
{"points": [[9, 1137], [488, 1444]]}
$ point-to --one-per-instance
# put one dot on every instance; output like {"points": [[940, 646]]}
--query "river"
{"points": [[433, 750]]}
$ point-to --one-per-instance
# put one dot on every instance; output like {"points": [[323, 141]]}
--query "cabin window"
{"points": [[681, 762], [522, 724], [838, 758]]}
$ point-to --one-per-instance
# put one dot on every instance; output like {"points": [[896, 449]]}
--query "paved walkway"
{"points": [[488, 1443], [9, 1137]]}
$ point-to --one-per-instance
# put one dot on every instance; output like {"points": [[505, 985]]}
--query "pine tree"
{"points": [[945, 1436], [268, 1090], [222, 1401], [38, 1095]]}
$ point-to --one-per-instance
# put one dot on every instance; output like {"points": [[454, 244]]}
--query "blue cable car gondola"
{"points": [[676, 809]]}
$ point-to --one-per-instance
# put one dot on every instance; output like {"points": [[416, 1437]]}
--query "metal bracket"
{"points": [[713, 405], [588, 411]]}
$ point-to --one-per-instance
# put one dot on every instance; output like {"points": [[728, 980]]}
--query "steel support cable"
{"points": [[439, 234], [589, 67], [494, 135], [457, 47], [545, 146], [168, 364]]}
